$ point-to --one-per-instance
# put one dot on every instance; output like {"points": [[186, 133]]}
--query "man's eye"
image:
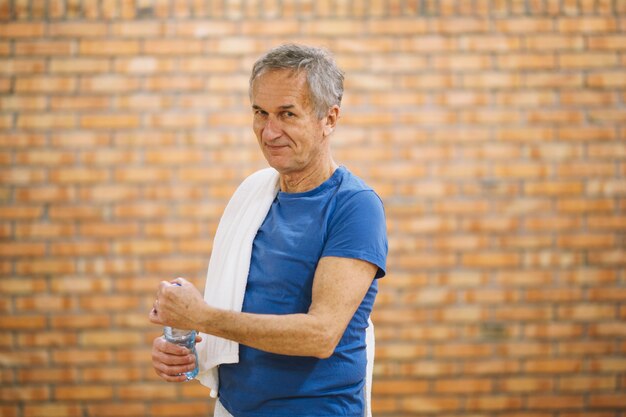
{"points": [[288, 114]]}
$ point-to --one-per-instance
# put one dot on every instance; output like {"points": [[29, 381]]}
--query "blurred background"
{"points": [[494, 131]]}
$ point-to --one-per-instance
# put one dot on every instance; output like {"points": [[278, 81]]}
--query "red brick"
{"points": [[429, 404], [83, 248], [554, 366], [25, 393], [22, 30], [78, 175], [606, 42], [113, 266], [494, 403], [491, 260], [52, 410], [526, 61], [553, 330], [108, 83], [112, 374], [167, 409], [614, 400], [81, 393], [525, 25], [44, 303], [82, 321], [173, 47], [554, 295], [586, 24], [587, 312], [462, 350], [45, 266], [146, 392], [589, 205], [463, 386], [110, 121], [30, 322], [109, 302], [587, 240], [607, 79], [22, 285], [610, 329], [126, 409], [587, 60], [610, 257], [48, 339], [587, 383], [74, 357], [22, 176], [46, 121], [528, 384], [144, 247], [607, 294], [213, 28], [23, 66], [586, 348], [10, 410], [80, 103], [559, 402], [109, 47], [73, 212], [461, 314], [81, 139], [20, 103], [110, 338], [43, 48], [180, 121], [76, 29], [79, 66]]}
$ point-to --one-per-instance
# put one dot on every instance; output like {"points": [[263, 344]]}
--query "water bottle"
{"points": [[186, 338]]}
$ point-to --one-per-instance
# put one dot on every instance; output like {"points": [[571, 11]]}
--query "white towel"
{"points": [[228, 273], [229, 265]]}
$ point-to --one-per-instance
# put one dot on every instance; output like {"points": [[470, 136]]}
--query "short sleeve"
{"points": [[358, 230]]}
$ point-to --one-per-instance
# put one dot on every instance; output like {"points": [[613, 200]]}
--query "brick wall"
{"points": [[494, 131]]}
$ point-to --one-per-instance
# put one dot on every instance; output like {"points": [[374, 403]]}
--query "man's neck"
{"points": [[309, 179]]}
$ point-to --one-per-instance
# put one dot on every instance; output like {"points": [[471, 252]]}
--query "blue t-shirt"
{"points": [[342, 217]]}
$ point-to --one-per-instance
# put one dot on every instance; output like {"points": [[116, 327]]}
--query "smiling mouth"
{"points": [[272, 147]]}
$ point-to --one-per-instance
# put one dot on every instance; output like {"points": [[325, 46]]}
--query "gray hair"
{"points": [[324, 78]]}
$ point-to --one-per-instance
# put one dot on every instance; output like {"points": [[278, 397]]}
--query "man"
{"points": [[314, 266]]}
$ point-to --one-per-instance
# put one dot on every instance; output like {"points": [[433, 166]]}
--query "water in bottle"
{"points": [[186, 338]]}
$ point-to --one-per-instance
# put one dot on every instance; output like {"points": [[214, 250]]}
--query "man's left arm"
{"points": [[339, 286]]}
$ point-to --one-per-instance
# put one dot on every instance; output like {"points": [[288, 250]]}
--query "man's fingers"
{"points": [[154, 317], [164, 346], [171, 378], [173, 370]]}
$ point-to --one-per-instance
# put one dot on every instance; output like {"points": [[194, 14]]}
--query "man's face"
{"points": [[290, 135]]}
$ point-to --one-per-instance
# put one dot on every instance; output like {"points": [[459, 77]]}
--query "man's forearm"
{"points": [[290, 334]]}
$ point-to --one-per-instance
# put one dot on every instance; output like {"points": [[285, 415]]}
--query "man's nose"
{"points": [[272, 129]]}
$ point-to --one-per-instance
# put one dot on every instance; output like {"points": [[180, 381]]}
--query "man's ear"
{"points": [[330, 120]]}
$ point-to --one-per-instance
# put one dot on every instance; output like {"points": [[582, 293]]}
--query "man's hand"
{"points": [[177, 304], [171, 361]]}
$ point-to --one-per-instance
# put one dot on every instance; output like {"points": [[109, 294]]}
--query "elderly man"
{"points": [[314, 262]]}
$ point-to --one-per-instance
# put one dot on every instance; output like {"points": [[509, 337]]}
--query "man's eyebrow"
{"points": [[283, 107]]}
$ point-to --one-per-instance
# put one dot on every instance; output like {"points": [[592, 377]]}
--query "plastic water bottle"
{"points": [[186, 338]]}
